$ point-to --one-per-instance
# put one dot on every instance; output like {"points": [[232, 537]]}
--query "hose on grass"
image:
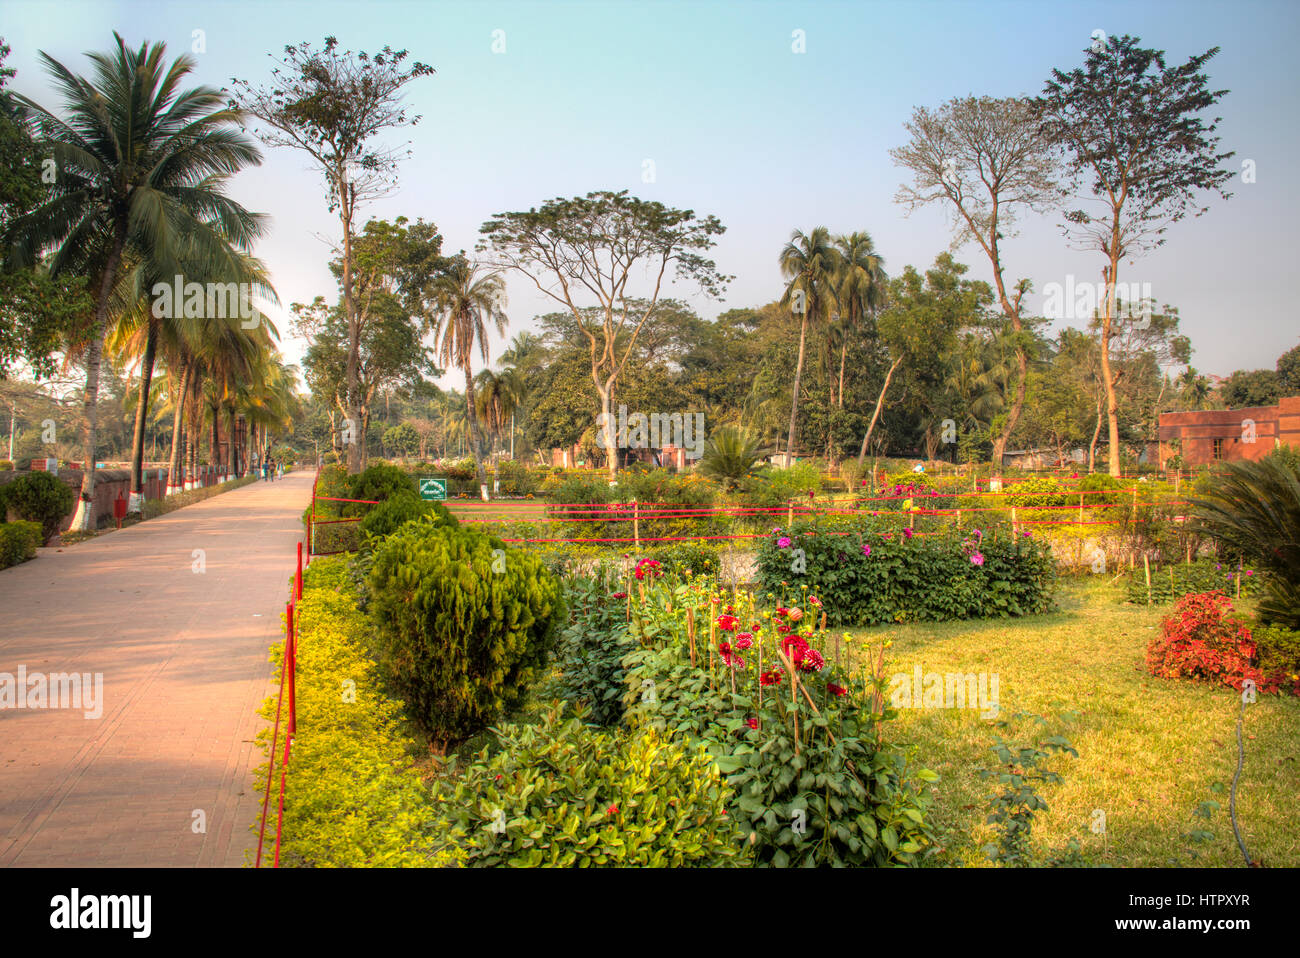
{"points": [[1232, 796]]}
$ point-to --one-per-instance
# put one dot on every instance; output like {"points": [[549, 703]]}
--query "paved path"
{"points": [[185, 666]]}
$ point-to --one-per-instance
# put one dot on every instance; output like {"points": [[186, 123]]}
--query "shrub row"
{"points": [[353, 797], [868, 577]]}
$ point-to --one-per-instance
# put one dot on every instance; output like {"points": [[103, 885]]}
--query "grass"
{"points": [[1150, 750]]}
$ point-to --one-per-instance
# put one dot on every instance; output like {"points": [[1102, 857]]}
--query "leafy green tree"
{"points": [[1250, 387], [585, 253], [1288, 372], [1130, 127]]}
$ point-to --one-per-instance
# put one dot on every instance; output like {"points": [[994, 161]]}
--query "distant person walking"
{"points": [[265, 471], [271, 468]]}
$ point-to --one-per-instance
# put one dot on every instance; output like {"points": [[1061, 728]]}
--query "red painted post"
{"points": [[299, 582], [291, 663]]}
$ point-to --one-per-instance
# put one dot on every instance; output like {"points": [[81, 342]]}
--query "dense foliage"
{"points": [[18, 542], [563, 794], [463, 625], [868, 577], [41, 498]]}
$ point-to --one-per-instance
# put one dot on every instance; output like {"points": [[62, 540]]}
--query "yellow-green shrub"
{"points": [[18, 542], [353, 797]]}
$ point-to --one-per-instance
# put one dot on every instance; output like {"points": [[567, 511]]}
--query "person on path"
{"points": [[270, 463]]}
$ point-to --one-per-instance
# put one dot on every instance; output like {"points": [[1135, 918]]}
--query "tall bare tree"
{"points": [[985, 160], [334, 106]]}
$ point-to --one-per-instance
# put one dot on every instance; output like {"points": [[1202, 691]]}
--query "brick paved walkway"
{"points": [[184, 663]]}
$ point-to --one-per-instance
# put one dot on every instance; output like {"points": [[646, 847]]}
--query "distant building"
{"points": [[1225, 435], [1044, 457]]}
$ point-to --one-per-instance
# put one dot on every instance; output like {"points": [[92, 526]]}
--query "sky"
{"points": [[708, 106]]}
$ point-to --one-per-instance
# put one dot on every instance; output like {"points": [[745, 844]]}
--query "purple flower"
{"points": [[866, 550], [977, 558], [907, 533], [783, 542]]}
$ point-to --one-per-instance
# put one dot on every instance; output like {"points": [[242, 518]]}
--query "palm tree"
{"points": [[142, 169], [809, 262], [859, 286], [732, 453], [466, 301]]}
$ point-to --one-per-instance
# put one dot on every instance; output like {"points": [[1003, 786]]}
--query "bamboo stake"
{"points": [[1146, 565], [690, 630]]}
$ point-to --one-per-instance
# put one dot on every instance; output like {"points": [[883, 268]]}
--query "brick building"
{"points": [[1214, 435]]}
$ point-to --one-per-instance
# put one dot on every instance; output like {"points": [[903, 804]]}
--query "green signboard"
{"points": [[433, 489]]}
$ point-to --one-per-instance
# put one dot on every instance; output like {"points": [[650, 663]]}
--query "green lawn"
{"points": [[1149, 749]]}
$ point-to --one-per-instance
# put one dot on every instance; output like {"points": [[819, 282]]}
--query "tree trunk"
{"points": [[141, 418], [844, 351], [1092, 446], [475, 447], [794, 398], [174, 461], [215, 458], [1112, 402], [880, 401], [351, 385], [83, 520]]}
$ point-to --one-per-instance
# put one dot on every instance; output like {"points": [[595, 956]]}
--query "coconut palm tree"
{"points": [[467, 300], [809, 263], [859, 286], [140, 165]]}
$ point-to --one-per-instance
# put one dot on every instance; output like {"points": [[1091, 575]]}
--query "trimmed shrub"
{"points": [[869, 577], [1038, 492], [352, 796], [397, 510], [515, 478], [41, 498], [18, 542], [464, 625], [377, 482], [1094, 482], [562, 794]]}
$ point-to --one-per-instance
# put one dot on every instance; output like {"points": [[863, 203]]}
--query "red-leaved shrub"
{"points": [[1203, 640]]}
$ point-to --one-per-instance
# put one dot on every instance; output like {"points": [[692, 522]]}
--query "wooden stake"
{"points": [[636, 524], [1146, 565]]}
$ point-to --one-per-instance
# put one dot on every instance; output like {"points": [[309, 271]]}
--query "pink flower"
{"points": [[977, 558], [907, 533], [744, 640], [866, 550], [783, 542]]}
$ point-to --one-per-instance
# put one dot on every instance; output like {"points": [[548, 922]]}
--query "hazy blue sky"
{"points": [[740, 126]]}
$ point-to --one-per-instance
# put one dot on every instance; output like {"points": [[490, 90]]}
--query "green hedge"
{"points": [[353, 797], [18, 542], [924, 578]]}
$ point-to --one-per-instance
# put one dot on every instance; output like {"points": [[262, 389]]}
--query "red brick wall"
{"points": [[1198, 431]]}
